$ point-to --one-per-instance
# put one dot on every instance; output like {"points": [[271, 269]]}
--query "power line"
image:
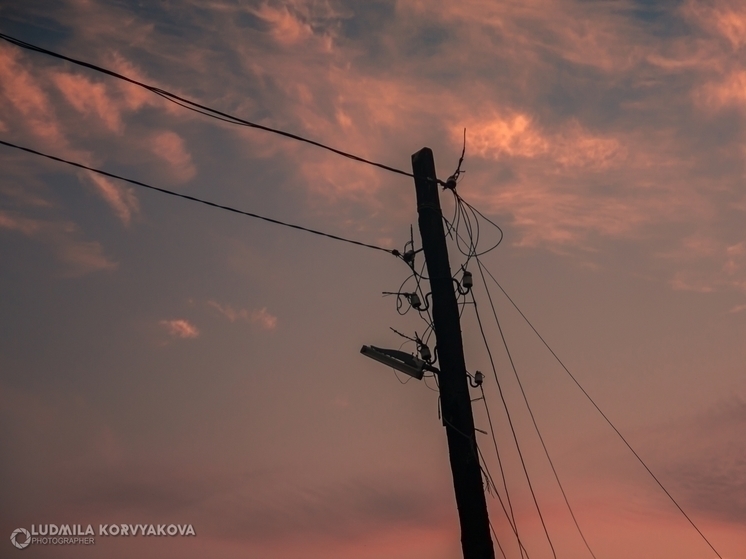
{"points": [[499, 498], [528, 407], [512, 428], [472, 252], [598, 409], [198, 107], [502, 473], [200, 200]]}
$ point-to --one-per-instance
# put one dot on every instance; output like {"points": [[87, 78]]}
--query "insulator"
{"points": [[467, 281], [425, 353], [478, 378], [451, 183], [408, 257], [414, 300]]}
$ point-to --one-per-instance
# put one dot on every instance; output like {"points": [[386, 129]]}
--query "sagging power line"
{"points": [[605, 417], [199, 200], [199, 107], [466, 220], [473, 228]]}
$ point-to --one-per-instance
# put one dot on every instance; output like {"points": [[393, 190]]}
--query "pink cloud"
{"points": [[229, 312], [180, 328], [731, 91], [725, 18], [286, 28], [263, 319], [135, 97], [601, 39], [259, 317], [708, 264], [688, 281], [122, 199], [89, 98], [513, 135], [25, 94], [79, 257], [84, 257], [517, 135], [170, 147], [334, 99]]}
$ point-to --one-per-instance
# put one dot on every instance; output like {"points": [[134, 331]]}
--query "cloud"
{"points": [[78, 257], [518, 136], [133, 96], [180, 328], [728, 92], [263, 319], [287, 29], [83, 257], [121, 198], [512, 136], [712, 264], [25, 94], [229, 312], [89, 98], [259, 317], [724, 18], [170, 147], [584, 122]]}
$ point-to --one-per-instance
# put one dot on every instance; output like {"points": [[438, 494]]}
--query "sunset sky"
{"points": [[162, 361]]}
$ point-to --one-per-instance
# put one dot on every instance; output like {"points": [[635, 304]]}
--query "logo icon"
{"points": [[14, 535]]}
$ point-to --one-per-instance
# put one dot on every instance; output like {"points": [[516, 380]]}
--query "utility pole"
{"points": [[458, 420]]}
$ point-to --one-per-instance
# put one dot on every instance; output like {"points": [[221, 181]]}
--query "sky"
{"points": [[166, 362]]}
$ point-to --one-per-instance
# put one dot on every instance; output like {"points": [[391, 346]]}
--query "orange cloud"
{"points": [[229, 312], [286, 28], [135, 97], [263, 319], [180, 328], [512, 136], [23, 92], [729, 92], [170, 147], [260, 317], [122, 199], [517, 136], [725, 18], [710, 263], [89, 98], [79, 257]]}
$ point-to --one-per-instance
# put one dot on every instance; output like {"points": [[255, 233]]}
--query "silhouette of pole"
{"points": [[458, 420]]}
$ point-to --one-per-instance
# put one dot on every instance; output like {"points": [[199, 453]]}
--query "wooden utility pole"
{"points": [[476, 542]]}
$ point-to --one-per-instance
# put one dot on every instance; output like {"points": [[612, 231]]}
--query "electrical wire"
{"points": [[198, 107], [512, 429], [461, 216], [598, 409], [530, 411], [199, 200], [497, 540], [469, 216], [473, 253], [511, 519], [512, 525]]}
